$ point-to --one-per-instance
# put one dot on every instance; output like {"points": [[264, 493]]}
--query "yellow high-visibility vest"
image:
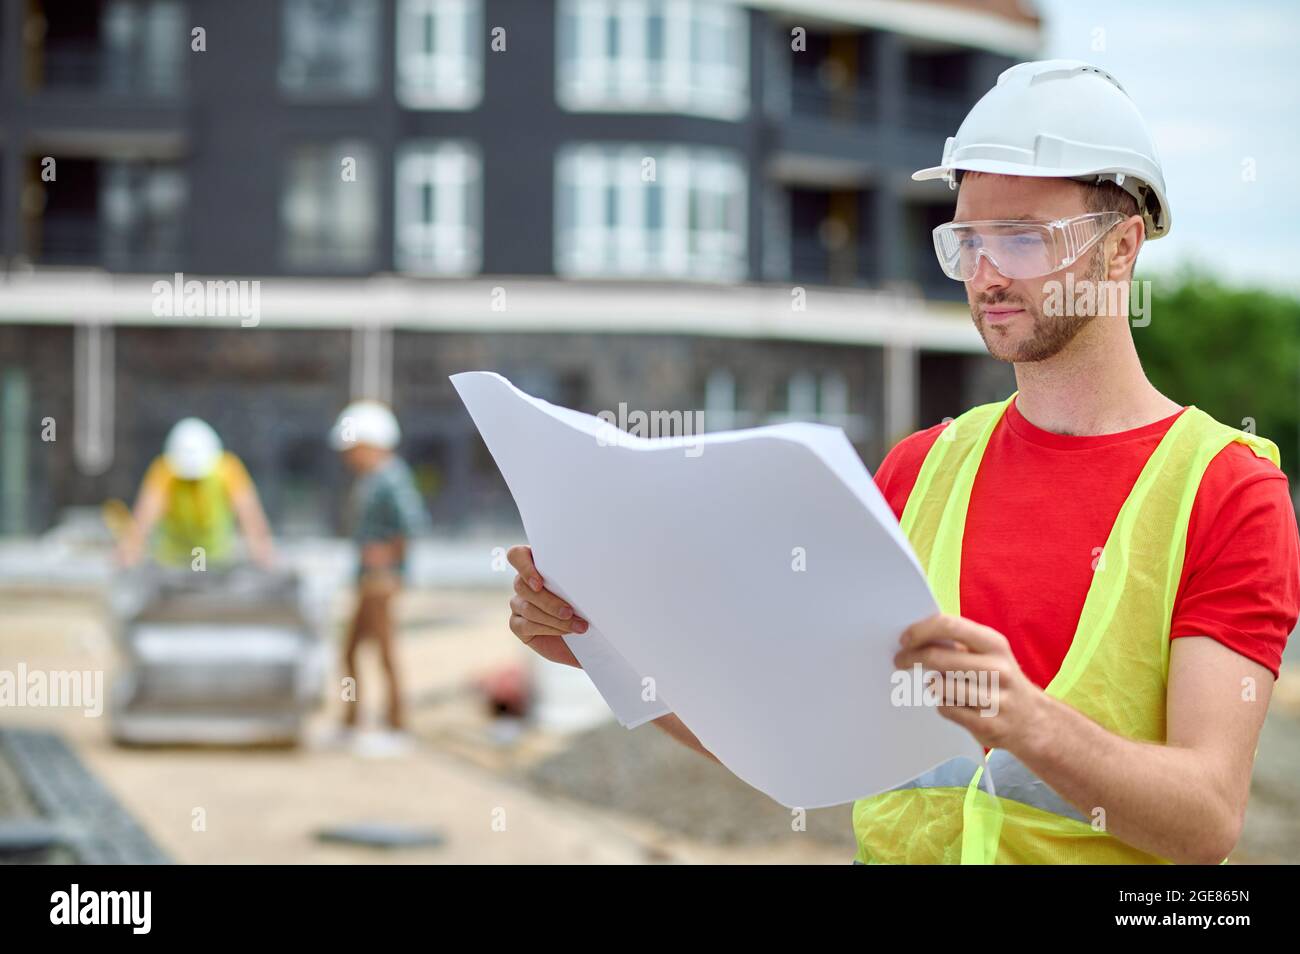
{"points": [[199, 513], [1115, 672]]}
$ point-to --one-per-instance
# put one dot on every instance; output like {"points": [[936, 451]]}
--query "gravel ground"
{"points": [[1272, 831], [607, 795], [646, 774]]}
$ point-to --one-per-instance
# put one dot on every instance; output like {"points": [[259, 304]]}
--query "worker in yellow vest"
{"points": [[190, 500], [1120, 569]]}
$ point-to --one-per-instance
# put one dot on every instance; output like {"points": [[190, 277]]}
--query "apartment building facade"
{"points": [[670, 204]]}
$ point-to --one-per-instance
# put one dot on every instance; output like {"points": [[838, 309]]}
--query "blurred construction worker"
{"points": [[1121, 568], [192, 495], [385, 513]]}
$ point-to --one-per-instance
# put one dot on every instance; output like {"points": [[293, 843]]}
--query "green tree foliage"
{"points": [[1233, 352]]}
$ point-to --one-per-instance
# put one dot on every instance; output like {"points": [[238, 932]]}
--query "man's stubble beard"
{"points": [[1050, 334]]}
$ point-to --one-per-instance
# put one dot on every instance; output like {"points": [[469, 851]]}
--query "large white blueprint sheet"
{"points": [[753, 582]]}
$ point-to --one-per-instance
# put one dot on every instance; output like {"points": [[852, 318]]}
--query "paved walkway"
{"points": [[233, 806]]}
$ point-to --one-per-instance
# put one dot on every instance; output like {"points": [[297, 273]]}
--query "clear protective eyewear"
{"points": [[1016, 248]]}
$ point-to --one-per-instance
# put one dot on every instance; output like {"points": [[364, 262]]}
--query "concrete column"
{"points": [[985, 68], [372, 362], [12, 57], [902, 367], [886, 223], [94, 393], [15, 408], [889, 79]]}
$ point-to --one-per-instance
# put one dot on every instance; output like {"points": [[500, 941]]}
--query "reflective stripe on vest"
{"points": [[1115, 671]]}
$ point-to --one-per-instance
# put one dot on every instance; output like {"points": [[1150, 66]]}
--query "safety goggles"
{"points": [[1019, 249]]}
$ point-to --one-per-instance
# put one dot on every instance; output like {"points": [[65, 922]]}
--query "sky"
{"points": [[1219, 86]]}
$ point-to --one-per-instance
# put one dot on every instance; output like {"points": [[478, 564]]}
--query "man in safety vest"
{"points": [[1124, 569], [192, 495]]}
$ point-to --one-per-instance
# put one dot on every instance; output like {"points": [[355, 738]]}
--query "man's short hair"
{"points": [[1108, 197]]}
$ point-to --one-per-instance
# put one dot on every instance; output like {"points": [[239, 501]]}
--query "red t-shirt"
{"points": [[1042, 507]]}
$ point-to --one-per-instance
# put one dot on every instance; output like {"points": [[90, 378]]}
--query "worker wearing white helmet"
{"points": [[1060, 119], [193, 494], [1112, 565], [365, 423], [1121, 561], [386, 511]]}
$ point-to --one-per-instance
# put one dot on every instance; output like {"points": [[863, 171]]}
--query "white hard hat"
{"points": [[192, 449], [1064, 119], [365, 422]]}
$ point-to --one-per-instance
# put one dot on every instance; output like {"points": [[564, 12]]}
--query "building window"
{"points": [[720, 400], [833, 398], [127, 47], [801, 396], [822, 398], [144, 44], [329, 204], [681, 56], [331, 48], [440, 53], [143, 208], [662, 212], [439, 208]]}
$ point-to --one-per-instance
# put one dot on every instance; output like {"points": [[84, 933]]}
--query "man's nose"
{"points": [[986, 277]]}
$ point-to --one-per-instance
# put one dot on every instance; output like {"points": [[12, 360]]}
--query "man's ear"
{"points": [[1127, 237]]}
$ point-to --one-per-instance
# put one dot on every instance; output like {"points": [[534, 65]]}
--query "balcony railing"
{"points": [[852, 103], [935, 110], [68, 240], [935, 285], [83, 240], [812, 263], [89, 65], [927, 108]]}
